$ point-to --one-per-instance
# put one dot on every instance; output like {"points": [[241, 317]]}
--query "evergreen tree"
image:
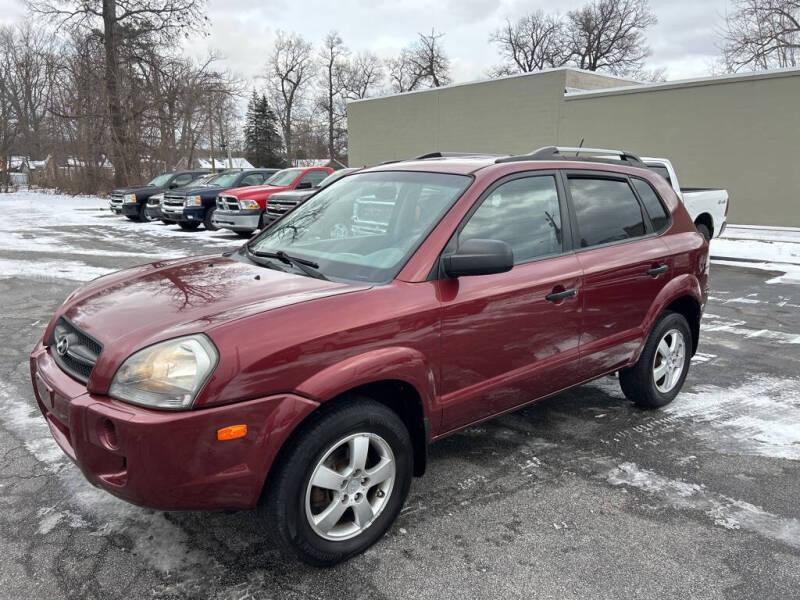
{"points": [[263, 144]]}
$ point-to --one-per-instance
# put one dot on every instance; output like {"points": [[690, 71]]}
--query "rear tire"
{"points": [[704, 230], [658, 375], [188, 226], [207, 223], [360, 451]]}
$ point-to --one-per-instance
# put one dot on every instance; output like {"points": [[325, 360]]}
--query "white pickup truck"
{"points": [[707, 207]]}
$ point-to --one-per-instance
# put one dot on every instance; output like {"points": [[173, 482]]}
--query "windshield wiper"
{"points": [[309, 267]]}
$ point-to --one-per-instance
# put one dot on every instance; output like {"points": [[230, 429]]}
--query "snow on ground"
{"points": [[775, 249], [68, 228]]}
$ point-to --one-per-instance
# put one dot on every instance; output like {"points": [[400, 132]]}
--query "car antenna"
{"points": [[579, 147]]}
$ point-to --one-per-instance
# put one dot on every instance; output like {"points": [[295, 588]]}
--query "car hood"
{"points": [[139, 189], [294, 195], [128, 310], [256, 192], [198, 191]]}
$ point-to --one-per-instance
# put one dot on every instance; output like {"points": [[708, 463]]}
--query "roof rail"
{"points": [[451, 155], [557, 153]]}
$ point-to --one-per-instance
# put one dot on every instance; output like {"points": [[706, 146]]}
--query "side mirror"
{"points": [[479, 257], [303, 185]]}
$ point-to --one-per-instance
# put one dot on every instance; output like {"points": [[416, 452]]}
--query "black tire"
{"points": [[207, 220], [704, 230], [132, 217], [244, 234], [638, 383], [143, 214], [283, 504], [165, 222], [188, 226]]}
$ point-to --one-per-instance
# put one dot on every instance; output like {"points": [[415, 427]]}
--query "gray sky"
{"points": [[241, 31]]}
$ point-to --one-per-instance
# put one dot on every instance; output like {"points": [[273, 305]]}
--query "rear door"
{"points": [[509, 338], [624, 261]]}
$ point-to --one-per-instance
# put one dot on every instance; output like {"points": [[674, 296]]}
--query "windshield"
{"points": [[366, 226], [161, 180], [285, 177], [334, 176], [223, 180]]}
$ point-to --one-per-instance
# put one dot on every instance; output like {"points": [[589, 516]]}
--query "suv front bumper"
{"points": [[161, 459], [237, 220], [188, 214]]}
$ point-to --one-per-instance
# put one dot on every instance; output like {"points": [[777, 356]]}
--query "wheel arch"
{"points": [[707, 220]]}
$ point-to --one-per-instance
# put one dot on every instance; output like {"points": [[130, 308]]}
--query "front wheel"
{"points": [[340, 483], [188, 226], [207, 220], [658, 375]]}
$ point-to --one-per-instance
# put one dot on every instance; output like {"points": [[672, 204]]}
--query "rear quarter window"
{"points": [[652, 204]]}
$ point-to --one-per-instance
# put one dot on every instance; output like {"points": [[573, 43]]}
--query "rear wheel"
{"points": [[704, 230], [340, 482], [188, 226], [658, 375]]}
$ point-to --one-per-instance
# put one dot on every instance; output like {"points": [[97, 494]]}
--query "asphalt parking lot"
{"points": [[579, 496]]}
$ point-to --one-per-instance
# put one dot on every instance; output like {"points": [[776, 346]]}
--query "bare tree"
{"points": [[289, 71], [534, 42], [762, 34], [423, 64], [333, 75], [120, 23], [609, 35], [364, 76]]}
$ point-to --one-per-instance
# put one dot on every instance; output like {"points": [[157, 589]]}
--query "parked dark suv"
{"points": [[308, 371], [132, 201], [195, 206]]}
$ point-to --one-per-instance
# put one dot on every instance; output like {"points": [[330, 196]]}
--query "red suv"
{"points": [[307, 372]]}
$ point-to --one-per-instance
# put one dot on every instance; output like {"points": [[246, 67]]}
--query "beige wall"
{"points": [[741, 133]]}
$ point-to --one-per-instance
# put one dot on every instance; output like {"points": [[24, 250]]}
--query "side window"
{"points": [[252, 179], [314, 178], [655, 210], [182, 180], [524, 213], [606, 210]]}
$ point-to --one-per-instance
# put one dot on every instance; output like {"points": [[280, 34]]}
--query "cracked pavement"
{"points": [[581, 495]]}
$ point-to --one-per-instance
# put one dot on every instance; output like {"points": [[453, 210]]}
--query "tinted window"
{"points": [[655, 210], [182, 180], [606, 210], [314, 178], [253, 179], [524, 213], [661, 170]]}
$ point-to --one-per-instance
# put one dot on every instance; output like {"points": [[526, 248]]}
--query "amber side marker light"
{"points": [[231, 433]]}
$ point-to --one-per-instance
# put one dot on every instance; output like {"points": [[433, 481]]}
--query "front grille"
{"points": [[116, 199], [227, 203], [173, 203], [280, 207], [73, 350]]}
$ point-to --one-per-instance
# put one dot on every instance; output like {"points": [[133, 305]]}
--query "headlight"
{"points": [[193, 201], [129, 199], [155, 199], [166, 375], [248, 204]]}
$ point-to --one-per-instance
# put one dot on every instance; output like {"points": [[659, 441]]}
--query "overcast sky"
{"points": [[684, 41]]}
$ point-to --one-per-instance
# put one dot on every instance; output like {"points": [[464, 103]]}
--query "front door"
{"points": [[512, 337]]}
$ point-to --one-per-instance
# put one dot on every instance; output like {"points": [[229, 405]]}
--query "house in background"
{"points": [[318, 162]]}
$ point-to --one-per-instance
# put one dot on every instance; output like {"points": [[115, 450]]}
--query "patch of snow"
{"points": [[759, 417], [713, 323], [756, 250], [724, 511], [791, 273], [50, 270]]}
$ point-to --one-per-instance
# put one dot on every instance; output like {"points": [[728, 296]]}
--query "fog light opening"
{"points": [[108, 435]]}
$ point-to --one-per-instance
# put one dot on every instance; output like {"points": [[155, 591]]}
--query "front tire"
{"points": [[658, 375], [245, 234], [340, 482], [207, 222], [188, 226]]}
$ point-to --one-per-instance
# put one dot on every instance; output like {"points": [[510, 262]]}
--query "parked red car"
{"points": [[308, 371], [242, 209]]}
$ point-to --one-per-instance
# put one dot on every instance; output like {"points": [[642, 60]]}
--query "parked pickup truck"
{"points": [[307, 374], [242, 210], [132, 201], [708, 207], [282, 202], [153, 208], [195, 206]]}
